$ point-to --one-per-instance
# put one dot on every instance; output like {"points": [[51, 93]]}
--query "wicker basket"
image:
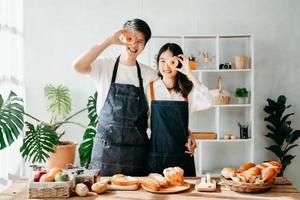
{"points": [[245, 187], [220, 96], [50, 189]]}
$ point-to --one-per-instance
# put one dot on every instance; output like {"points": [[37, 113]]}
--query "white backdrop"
{"points": [[56, 32]]}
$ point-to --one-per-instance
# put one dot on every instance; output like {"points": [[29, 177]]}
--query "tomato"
{"points": [[37, 175]]}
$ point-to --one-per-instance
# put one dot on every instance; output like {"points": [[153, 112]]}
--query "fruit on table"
{"points": [[81, 190], [53, 171], [46, 178], [61, 177], [37, 175]]}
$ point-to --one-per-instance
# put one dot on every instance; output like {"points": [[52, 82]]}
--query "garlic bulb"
{"points": [[81, 189], [99, 187]]}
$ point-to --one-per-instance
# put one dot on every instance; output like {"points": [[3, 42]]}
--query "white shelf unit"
{"points": [[213, 155]]}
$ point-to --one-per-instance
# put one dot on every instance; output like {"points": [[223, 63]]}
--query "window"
{"points": [[11, 78]]}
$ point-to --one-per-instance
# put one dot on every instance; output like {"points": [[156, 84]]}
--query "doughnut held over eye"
{"points": [[172, 62], [127, 36]]}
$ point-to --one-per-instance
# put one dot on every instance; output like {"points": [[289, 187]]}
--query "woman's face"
{"points": [[136, 48], [164, 69]]}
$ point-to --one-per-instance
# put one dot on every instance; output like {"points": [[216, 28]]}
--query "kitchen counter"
{"points": [[282, 190]]}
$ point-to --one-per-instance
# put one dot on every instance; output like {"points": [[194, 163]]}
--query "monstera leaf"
{"points": [[59, 100], [11, 119], [85, 149], [38, 142]]}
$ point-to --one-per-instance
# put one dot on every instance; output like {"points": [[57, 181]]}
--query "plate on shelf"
{"points": [[169, 190]]}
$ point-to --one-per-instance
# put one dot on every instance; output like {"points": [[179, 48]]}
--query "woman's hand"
{"points": [[185, 69], [191, 145]]}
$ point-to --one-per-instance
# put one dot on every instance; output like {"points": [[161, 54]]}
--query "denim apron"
{"points": [[121, 142], [169, 134]]}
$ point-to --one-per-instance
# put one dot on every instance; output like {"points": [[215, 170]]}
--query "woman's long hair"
{"points": [[182, 84]]}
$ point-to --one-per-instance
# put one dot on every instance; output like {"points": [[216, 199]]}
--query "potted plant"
{"points": [[280, 131], [242, 95], [42, 139], [85, 149]]}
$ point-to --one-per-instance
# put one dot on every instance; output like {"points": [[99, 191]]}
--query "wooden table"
{"points": [[282, 191]]}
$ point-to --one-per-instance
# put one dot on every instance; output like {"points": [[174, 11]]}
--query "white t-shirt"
{"points": [[199, 99], [102, 70]]}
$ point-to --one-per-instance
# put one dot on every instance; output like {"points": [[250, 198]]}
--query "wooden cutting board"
{"points": [[204, 135]]}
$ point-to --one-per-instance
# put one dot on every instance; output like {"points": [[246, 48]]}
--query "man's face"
{"points": [[133, 50]]}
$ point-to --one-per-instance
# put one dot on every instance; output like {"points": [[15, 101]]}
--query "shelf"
{"points": [[233, 105], [222, 70]]}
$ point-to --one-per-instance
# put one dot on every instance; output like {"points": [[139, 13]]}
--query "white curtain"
{"points": [[11, 78]]}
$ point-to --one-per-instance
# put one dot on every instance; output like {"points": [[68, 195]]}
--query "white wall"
{"points": [[56, 32]]}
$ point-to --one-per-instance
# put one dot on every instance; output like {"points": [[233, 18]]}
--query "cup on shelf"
{"points": [[243, 130]]}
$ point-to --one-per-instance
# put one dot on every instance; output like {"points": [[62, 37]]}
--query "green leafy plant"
{"points": [[11, 119], [41, 137], [241, 92], [280, 131], [85, 149]]}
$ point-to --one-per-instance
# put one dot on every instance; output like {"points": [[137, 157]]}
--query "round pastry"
{"points": [[127, 36], [172, 62], [174, 176]]}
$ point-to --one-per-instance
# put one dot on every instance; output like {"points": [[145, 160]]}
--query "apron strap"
{"points": [[186, 98], [113, 79], [152, 97]]}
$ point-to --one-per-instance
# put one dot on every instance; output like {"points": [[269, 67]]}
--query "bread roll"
{"points": [[122, 180], [268, 174], [159, 178], [150, 183], [251, 174], [227, 172], [246, 165], [174, 176]]}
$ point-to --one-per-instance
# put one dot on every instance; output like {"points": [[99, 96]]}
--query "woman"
{"points": [[171, 98], [120, 144]]}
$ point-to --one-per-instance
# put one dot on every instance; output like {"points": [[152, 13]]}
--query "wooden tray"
{"points": [[169, 190], [245, 187], [204, 135]]}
